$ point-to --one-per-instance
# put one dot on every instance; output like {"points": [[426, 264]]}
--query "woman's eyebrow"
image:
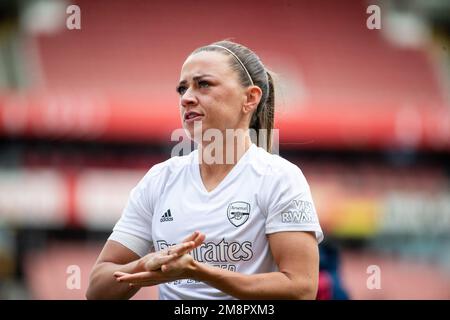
{"points": [[195, 78]]}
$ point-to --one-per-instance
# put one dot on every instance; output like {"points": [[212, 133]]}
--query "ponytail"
{"points": [[263, 118]]}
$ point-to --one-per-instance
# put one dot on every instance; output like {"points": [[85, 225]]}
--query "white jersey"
{"points": [[262, 194]]}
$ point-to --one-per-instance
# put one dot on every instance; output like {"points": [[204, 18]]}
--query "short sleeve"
{"points": [[290, 206], [134, 228]]}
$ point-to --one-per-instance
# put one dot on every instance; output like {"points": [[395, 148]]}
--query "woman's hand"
{"points": [[163, 266], [153, 261]]}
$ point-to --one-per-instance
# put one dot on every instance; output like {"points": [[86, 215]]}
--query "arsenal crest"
{"points": [[238, 212]]}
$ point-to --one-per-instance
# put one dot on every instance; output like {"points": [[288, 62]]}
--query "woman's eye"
{"points": [[203, 84], [181, 90]]}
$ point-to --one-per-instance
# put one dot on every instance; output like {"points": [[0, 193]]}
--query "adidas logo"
{"points": [[167, 216]]}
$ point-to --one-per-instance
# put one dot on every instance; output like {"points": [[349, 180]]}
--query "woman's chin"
{"points": [[195, 132], [194, 135]]}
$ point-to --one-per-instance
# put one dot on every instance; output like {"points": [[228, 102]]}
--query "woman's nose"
{"points": [[188, 98]]}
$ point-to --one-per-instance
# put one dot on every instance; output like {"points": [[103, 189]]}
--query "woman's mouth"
{"points": [[192, 116]]}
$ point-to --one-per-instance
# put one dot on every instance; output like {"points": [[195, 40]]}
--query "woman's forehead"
{"points": [[206, 62]]}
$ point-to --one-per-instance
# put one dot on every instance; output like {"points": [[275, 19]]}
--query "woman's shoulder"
{"points": [[274, 164], [169, 166]]}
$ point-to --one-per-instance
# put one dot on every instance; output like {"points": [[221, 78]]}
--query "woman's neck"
{"points": [[219, 159]]}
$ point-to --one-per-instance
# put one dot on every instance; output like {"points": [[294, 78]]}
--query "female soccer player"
{"points": [[258, 229]]}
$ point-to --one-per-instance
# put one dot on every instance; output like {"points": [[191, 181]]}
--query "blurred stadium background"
{"points": [[365, 114]]}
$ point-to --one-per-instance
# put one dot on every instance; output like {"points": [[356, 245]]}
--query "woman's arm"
{"points": [[116, 259], [297, 257]]}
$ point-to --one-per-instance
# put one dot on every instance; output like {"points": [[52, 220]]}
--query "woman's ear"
{"points": [[253, 97]]}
